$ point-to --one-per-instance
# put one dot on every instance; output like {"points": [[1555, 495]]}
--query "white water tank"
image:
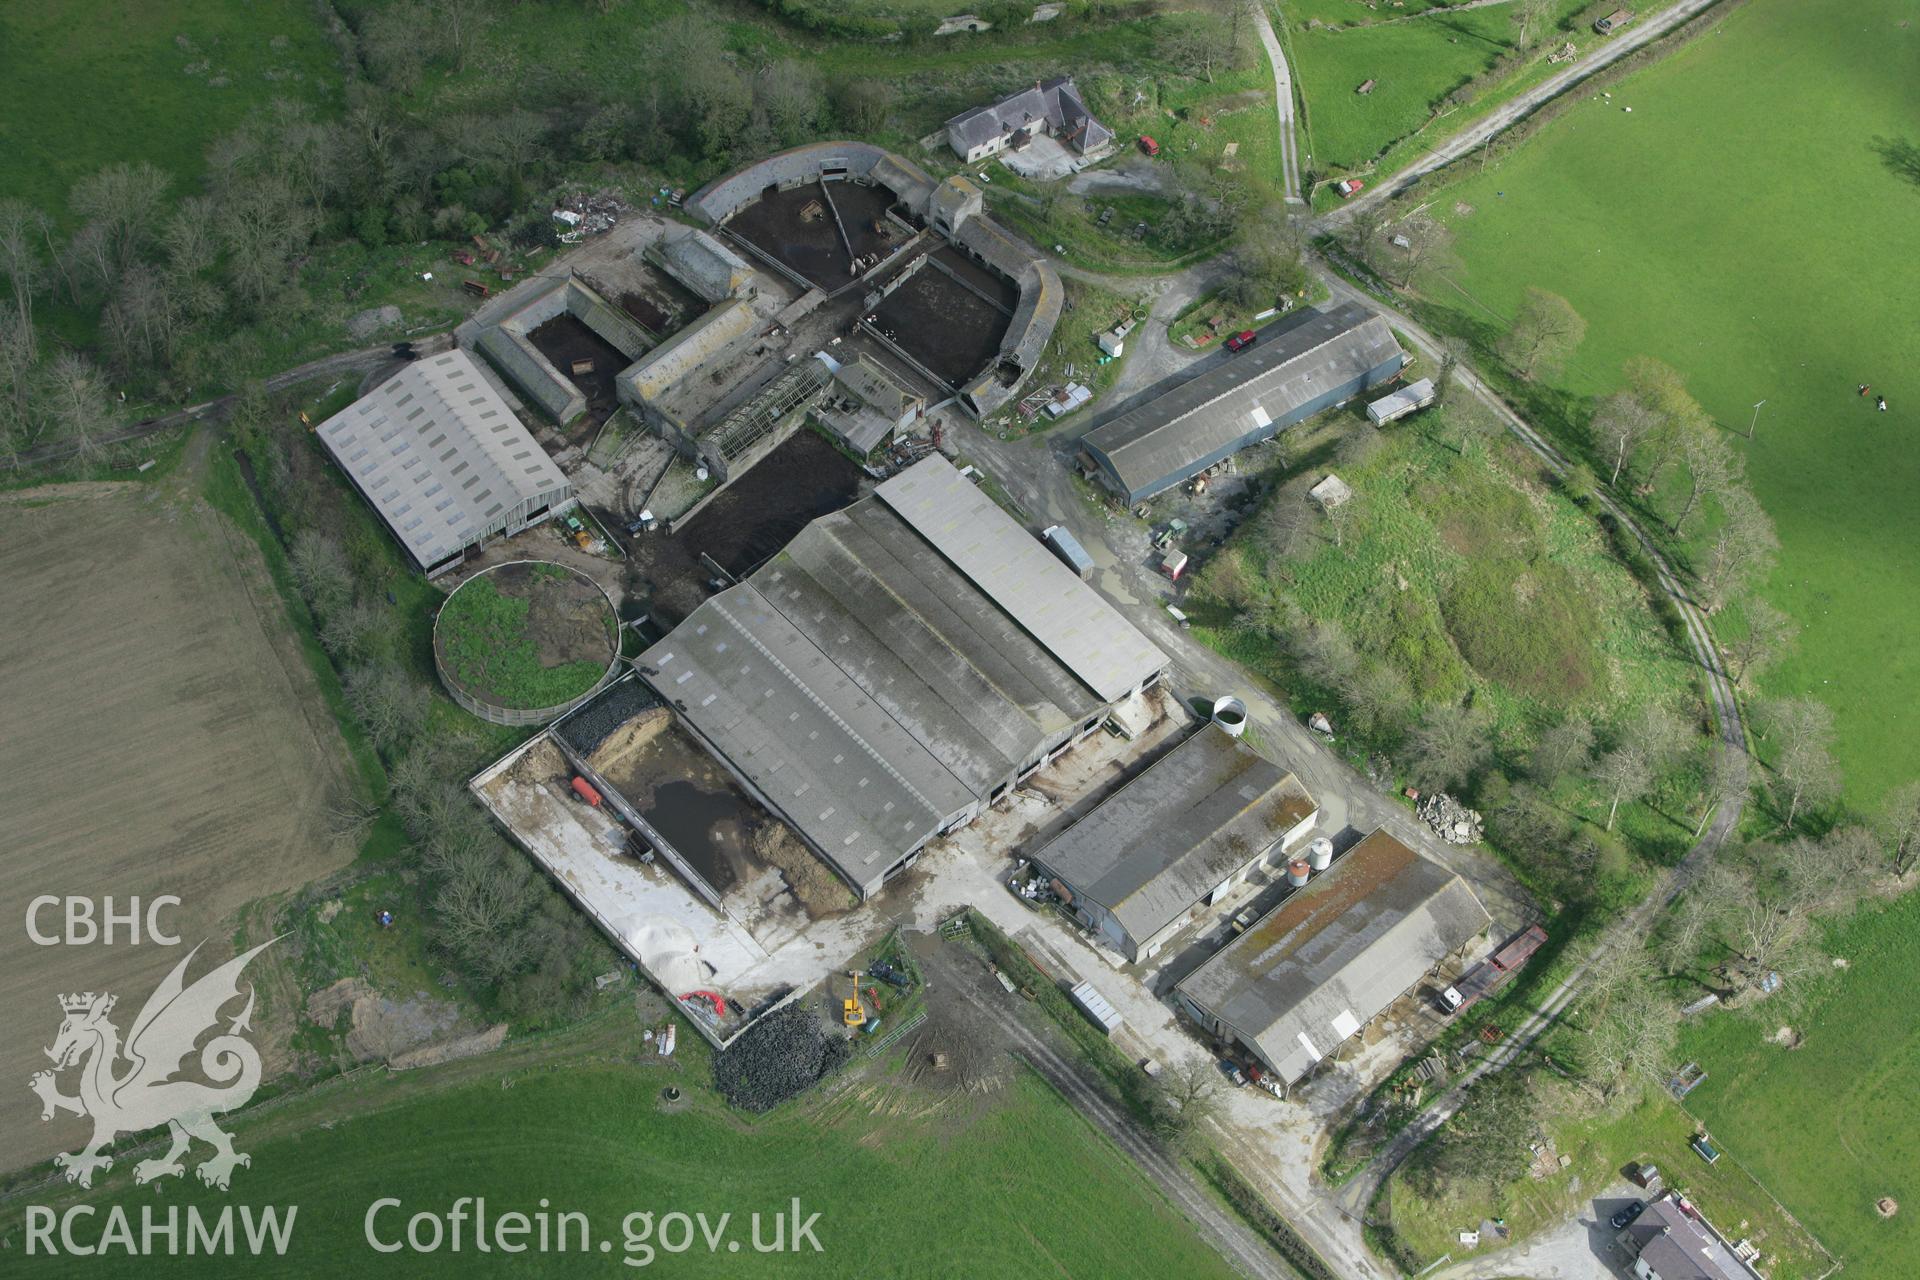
{"points": [[1230, 714], [1320, 854], [1297, 873]]}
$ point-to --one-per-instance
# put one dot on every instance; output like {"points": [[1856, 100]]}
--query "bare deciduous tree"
{"points": [[1711, 466], [1565, 748], [1450, 745], [74, 399], [387, 702], [1325, 655], [1742, 550], [1769, 635], [1378, 698], [1621, 424], [1801, 733], [1626, 772], [1900, 827], [1544, 333], [23, 230], [124, 202], [1530, 19], [1726, 778]]}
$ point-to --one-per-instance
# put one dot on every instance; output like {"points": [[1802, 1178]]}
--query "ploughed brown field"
{"points": [[163, 735]]}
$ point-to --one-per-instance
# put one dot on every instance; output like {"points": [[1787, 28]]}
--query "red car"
{"points": [[1349, 187], [1149, 146], [1242, 340]]}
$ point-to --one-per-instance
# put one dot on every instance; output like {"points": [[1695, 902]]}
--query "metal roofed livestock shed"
{"points": [[1320, 360], [873, 691], [1188, 827], [1072, 621], [441, 458], [1334, 954]]}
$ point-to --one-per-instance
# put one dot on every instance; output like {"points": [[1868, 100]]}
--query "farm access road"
{"points": [[1648, 29], [364, 361]]}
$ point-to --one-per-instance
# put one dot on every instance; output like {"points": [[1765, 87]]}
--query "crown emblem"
{"points": [[82, 1002]]}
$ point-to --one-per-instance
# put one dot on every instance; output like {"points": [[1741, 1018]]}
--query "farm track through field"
{"points": [[1245, 1251]]}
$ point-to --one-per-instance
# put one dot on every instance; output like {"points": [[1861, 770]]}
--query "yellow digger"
{"points": [[852, 1012]]}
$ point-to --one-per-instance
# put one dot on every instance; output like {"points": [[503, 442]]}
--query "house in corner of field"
{"points": [[443, 461], [1177, 839], [1332, 956], [1051, 107], [1672, 1240]]}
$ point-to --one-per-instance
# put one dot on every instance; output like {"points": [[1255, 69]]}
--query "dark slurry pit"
{"points": [[565, 341], [751, 519]]}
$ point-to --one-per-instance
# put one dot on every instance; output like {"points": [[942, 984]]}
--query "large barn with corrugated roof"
{"points": [[1333, 955], [444, 462], [898, 667], [1300, 366], [1179, 837]]}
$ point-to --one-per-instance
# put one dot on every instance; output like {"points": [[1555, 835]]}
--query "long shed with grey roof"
{"points": [[1179, 837], [441, 458], [1309, 363], [1333, 955], [875, 689]]}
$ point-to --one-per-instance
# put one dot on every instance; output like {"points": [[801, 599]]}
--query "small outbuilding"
{"points": [[1413, 396]]}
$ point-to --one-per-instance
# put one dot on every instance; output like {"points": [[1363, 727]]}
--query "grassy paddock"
{"points": [[1831, 1126], [90, 82], [1655, 1130], [1660, 233], [1019, 1181]]}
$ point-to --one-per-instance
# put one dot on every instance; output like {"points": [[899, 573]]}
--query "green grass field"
{"points": [[1832, 1126], [1739, 225], [90, 82], [1416, 61], [1010, 1186]]}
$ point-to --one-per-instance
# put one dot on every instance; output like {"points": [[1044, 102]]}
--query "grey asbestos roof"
{"points": [[822, 751], [870, 686], [441, 457], [1242, 394], [1336, 952], [703, 264], [1068, 618], [939, 656], [878, 388], [1169, 837]]}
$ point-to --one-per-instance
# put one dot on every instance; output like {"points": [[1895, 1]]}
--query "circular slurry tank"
{"points": [[525, 642], [1230, 714]]}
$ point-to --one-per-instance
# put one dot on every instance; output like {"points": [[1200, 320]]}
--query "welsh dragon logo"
{"points": [[144, 1094]]}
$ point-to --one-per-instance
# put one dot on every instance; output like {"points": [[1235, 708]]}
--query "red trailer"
{"points": [[1493, 973], [585, 790]]}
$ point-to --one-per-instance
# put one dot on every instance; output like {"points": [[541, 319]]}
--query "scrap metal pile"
{"points": [[779, 1057]]}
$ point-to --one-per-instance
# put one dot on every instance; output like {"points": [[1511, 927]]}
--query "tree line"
{"points": [[177, 283]]}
